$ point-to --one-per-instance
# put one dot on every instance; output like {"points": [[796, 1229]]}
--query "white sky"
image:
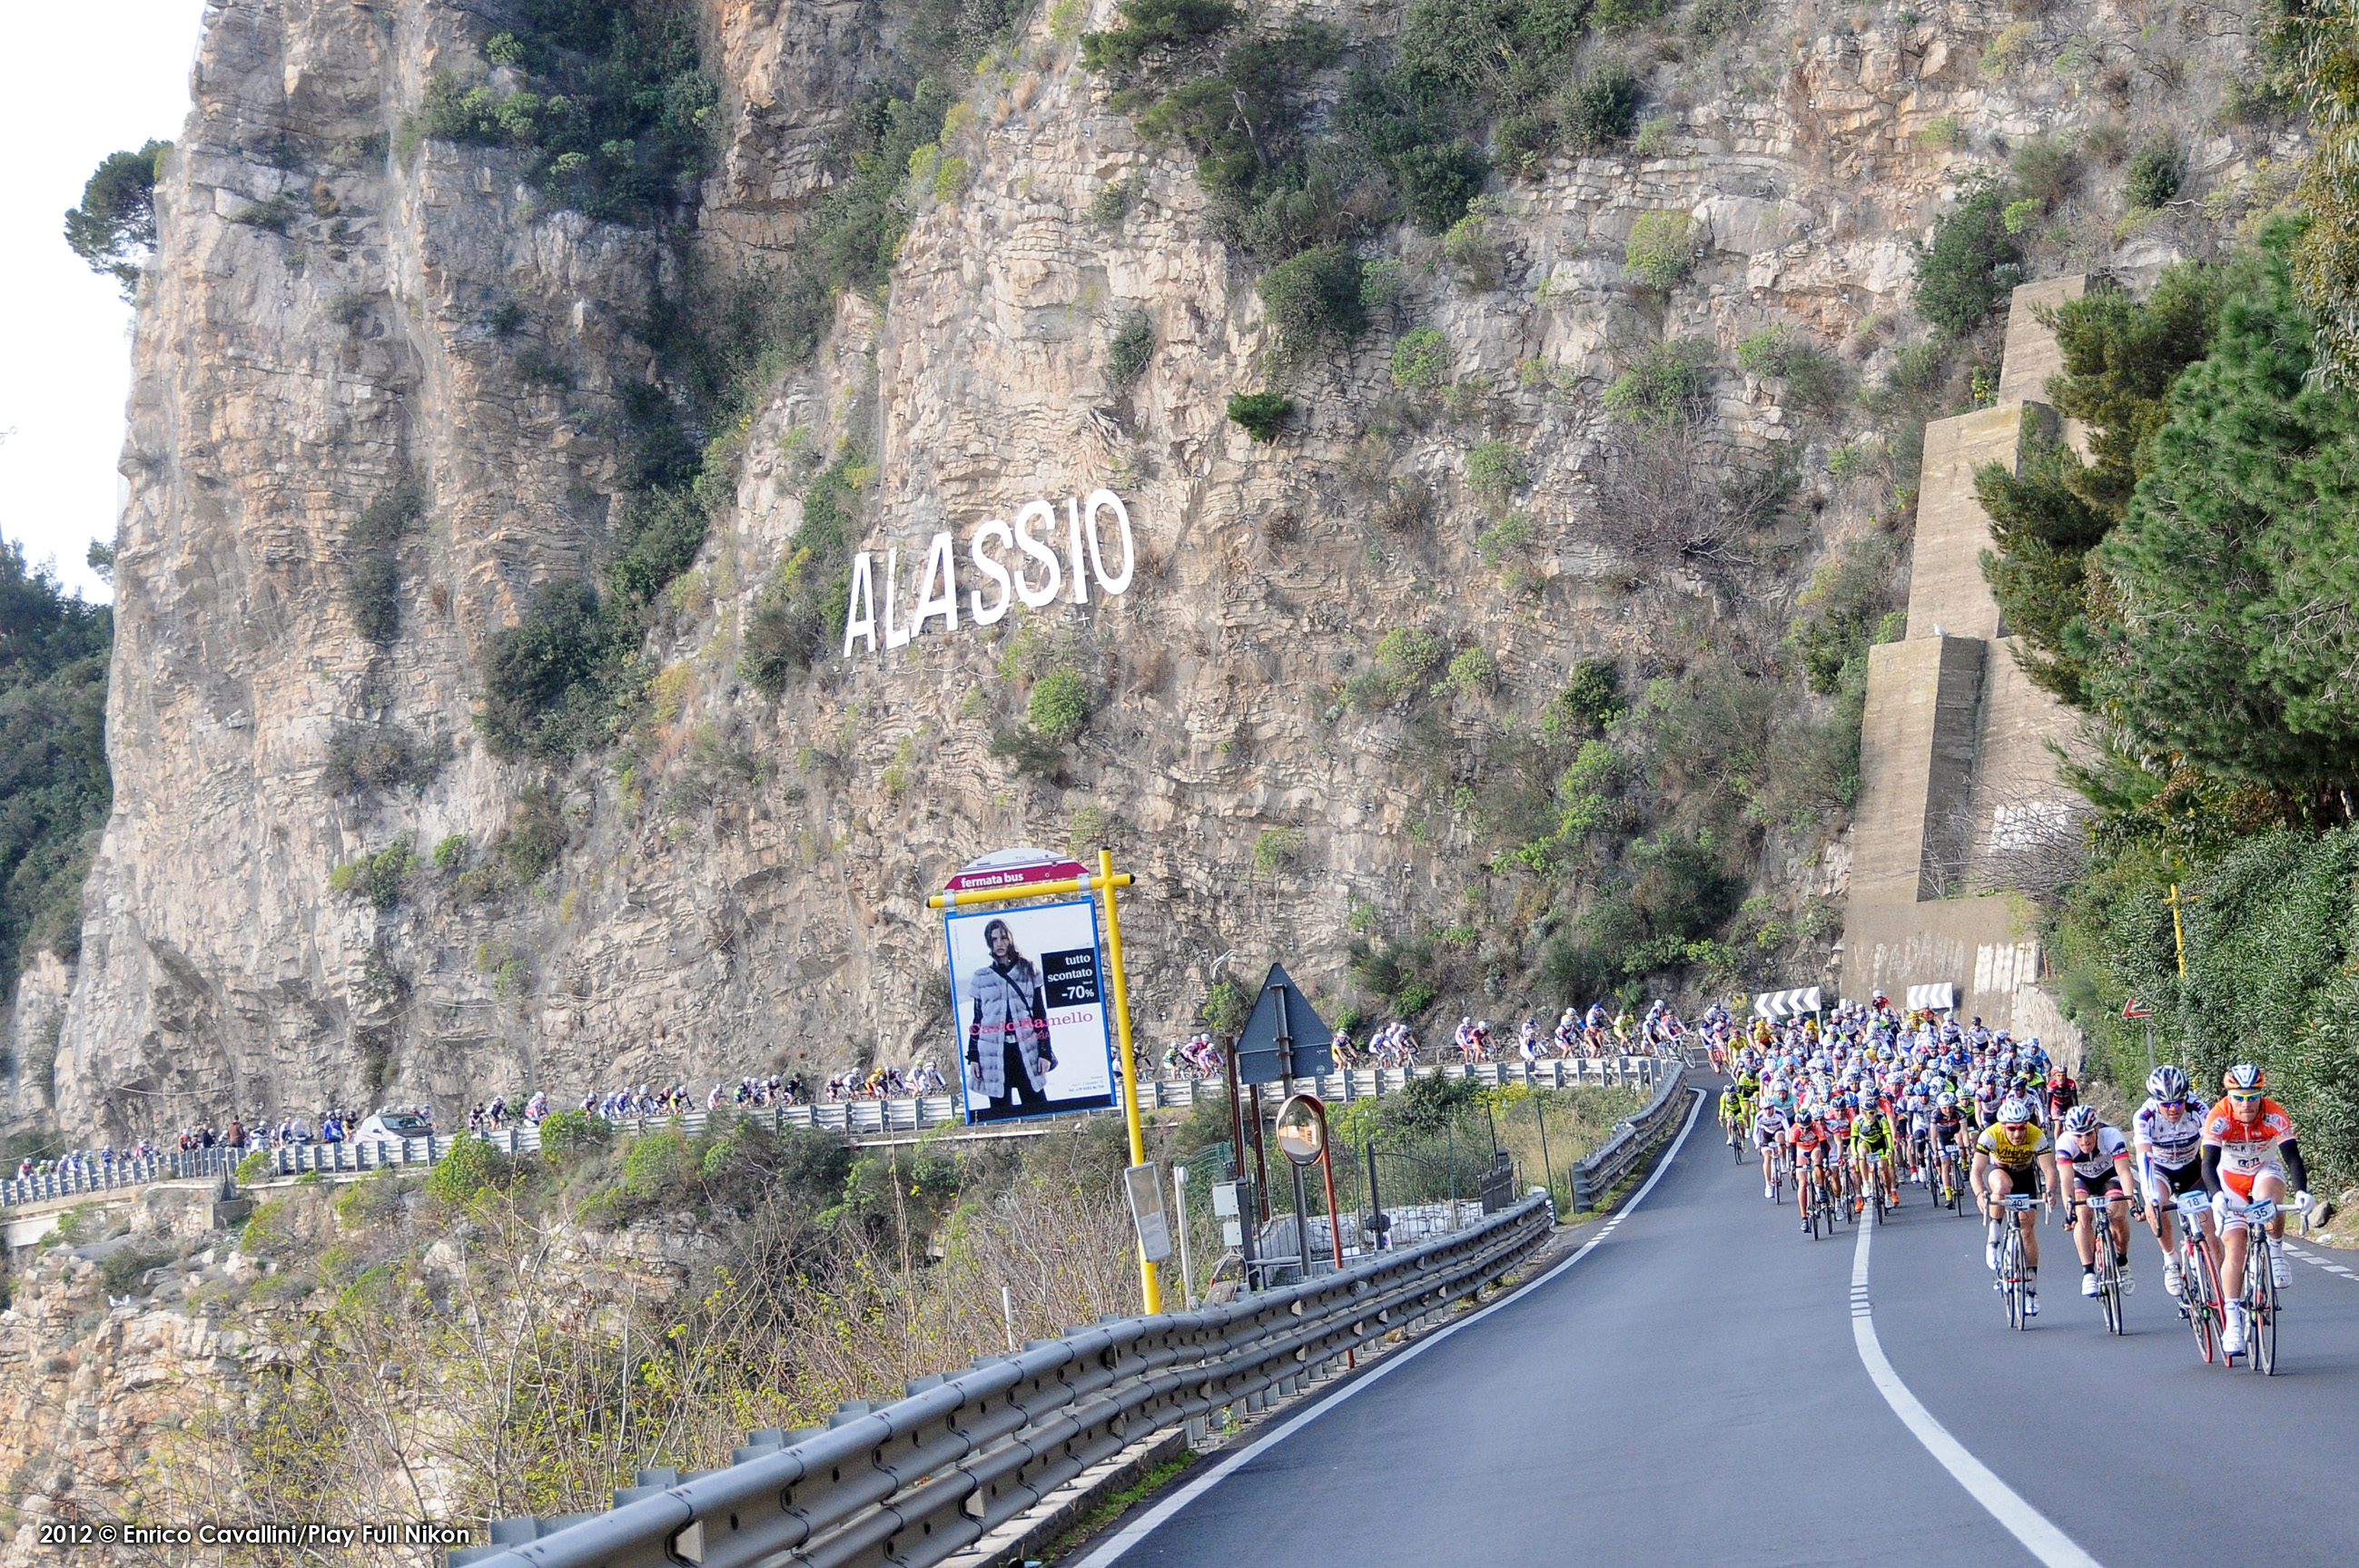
{"points": [[76, 83]]}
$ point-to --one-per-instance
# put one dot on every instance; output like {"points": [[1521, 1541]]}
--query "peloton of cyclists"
{"points": [[1895, 1095]]}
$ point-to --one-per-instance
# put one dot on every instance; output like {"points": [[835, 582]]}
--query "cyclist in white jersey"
{"points": [[2168, 1135], [2095, 1158], [1769, 1126]]}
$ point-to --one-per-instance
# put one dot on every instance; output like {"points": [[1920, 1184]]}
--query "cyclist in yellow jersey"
{"points": [[2012, 1156], [1871, 1152]]}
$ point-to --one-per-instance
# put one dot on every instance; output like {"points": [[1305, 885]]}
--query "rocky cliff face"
{"points": [[332, 317]]}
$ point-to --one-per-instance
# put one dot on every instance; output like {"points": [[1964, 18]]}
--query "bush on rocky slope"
{"points": [[616, 117], [54, 785]]}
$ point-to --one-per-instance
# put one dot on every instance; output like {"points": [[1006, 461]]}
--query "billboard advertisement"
{"points": [[1027, 990]]}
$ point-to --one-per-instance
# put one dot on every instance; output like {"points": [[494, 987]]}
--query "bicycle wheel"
{"points": [[2263, 1330], [2109, 1283], [2010, 1275], [2200, 1280]]}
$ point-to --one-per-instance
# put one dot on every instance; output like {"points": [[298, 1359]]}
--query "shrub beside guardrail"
{"points": [[913, 1481], [1595, 1176]]}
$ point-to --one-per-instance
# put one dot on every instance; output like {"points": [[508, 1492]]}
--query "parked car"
{"points": [[391, 1123]]}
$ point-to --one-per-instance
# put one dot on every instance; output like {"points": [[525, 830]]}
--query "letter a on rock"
{"points": [[860, 616], [938, 569]]}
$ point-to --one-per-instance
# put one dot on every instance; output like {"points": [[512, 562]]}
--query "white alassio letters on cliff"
{"points": [[1014, 564]]}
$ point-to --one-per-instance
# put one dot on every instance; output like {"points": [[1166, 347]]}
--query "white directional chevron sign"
{"points": [[1788, 1003]]}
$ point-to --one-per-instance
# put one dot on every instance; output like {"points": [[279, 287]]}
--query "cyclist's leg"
{"points": [[1997, 1184], [2270, 1184], [2083, 1223], [2029, 1222], [2161, 1206]]}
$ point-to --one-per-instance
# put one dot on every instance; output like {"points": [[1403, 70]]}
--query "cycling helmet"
{"points": [[2081, 1119], [2167, 1083], [2244, 1077], [1948, 1102], [2014, 1112]]}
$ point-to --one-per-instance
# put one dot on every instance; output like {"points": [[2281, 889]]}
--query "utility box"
{"points": [[1230, 1200]]}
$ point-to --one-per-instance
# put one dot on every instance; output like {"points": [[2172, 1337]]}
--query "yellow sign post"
{"points": [[2177, 901], [1103, 883]]}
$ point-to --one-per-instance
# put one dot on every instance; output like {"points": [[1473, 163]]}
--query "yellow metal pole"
{"points": [[2177, 929], [1149, 1286]]}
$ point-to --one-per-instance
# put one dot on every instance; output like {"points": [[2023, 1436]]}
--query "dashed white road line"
{"points": [[2039, 1536], [2326, 1263], [1139, 1529]]}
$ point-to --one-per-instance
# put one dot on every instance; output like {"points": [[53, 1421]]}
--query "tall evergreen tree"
{"points": [[2230, 635]]}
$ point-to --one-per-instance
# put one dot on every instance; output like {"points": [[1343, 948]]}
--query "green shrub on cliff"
{"points": [[469, 1167], [55, 789], [616, 116], [1971, 264], [1059, 706], [1263, 414], [559, 682]]}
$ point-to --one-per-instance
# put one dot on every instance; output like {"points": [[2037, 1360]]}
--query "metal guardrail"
{"points": [[911, 1483], [1595, 1177], [856, 1119], [116, 1175]]}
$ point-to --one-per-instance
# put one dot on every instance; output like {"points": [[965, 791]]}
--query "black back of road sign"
{"points": [[1283, 1039]]}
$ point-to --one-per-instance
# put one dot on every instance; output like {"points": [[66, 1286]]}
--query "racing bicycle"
{"points": [[2199, 1276], [2013, 1284], [2111, 1287], [1821, 1219], [2261, 1301]]}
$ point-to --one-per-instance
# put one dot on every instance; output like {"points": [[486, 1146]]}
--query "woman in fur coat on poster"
{"points": [[1007, 1054]]}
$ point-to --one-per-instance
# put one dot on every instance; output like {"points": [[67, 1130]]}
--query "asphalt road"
{"points": [[1694, 1390]]}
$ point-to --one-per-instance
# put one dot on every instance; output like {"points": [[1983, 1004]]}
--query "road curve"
{"points": [[1694, 1390]]}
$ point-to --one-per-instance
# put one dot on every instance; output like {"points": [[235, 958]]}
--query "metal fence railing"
{"points": [[1595, 1177], [913, 1481], [93, 1176], [855, 1118]]}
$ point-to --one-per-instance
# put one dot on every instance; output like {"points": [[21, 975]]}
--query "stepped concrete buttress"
{"points": [[1956, 769]]}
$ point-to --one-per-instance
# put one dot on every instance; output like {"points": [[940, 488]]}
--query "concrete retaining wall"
{"points": [[1956, 770]]}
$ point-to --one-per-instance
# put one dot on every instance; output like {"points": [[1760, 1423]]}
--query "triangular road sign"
{"points": [[1283, 1037]]}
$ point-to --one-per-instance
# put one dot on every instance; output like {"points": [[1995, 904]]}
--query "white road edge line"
{"points": [[2027, 1524], [1149, 1521]]}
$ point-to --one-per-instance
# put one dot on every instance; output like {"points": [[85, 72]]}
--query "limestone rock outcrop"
{"points": [[744, 885]]}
